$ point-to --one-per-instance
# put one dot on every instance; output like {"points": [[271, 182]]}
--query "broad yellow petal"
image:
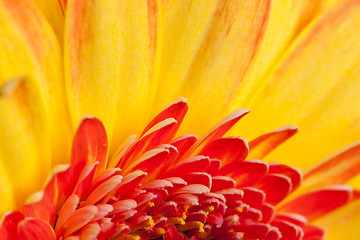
{"points": [[206, 57], [287, 19], [28, 47], [107, 61], [342, 223], [25, 151], [182, 28], [6, 194], [314, 86], [54, 11]]}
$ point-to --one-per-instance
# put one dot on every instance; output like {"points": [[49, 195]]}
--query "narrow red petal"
{"points": [[159, 134], [176, 110], [183, 144], [245, 173], [276, 187], [293, 173], [218, 130], [264, 144], [336, 169], [222, 182], [149, 162], [90, 144], [228, 149], [195, 164], [316, 203]]}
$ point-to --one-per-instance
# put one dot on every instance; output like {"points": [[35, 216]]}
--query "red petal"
{"points": [[66, 211], [294, 218], [192, 189], [198, 177], [90, 144], [336, 169], [40, 206], [103, 189], [245, 173], [218, 130], [228, 150], [35, 229], [78, 219], [159, 134], [289, 231], [317, 203], [313, 232], [9, 225], [293, 173], [120, 152], [90, 231], [264, 144], [195, 164], [130, 182], [176, 110], [149, 161], [183, 144], [85, 179], [222, 182], [61, 184], [276, 187], [124, 205], [256, 231]]}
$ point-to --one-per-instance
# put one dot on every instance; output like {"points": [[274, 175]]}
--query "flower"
{"points": [[123, 60], [157, 187]]}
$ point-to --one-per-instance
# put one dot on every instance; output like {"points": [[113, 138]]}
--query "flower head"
{"points": [[157, 187], [121, 61]]}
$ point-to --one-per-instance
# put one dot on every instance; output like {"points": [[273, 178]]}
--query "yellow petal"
{"points": [[342, 223], [107, 59], [205, 54], [25, 150], [54, 11], [314, 86], [6, 194], [28, 47], [182, 28], [287, 19]]}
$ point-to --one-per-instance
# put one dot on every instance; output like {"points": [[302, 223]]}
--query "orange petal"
{"points": [[336, 169], [319, 202], [218, 130], [90, 144], [264, 144], [342, 223], [9, 224], [227, 150], [40, 206], [32, 228]]}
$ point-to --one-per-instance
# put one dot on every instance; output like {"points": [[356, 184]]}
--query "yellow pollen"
{"points": [[209, 209], [191, 225], [150, 223], [129, 237], [176, 221], [160, 231], [240, 209], [151, 204]]}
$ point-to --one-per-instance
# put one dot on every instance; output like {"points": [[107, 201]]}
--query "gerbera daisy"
{"points": [[122, 62]]}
